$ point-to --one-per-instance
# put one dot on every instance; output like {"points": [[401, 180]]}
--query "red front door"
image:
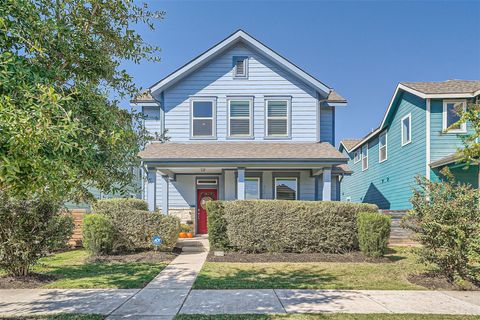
{"points": [[204, 195]]}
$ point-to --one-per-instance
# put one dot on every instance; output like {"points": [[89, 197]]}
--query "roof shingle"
{"points": [[449, 86], [350, 143]]}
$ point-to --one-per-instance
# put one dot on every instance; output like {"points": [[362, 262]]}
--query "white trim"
{"points": [[427, 139], [145, 104], [288, 118], [234, 38], [207, 182], [245, 67], [286, 178], [363, 156], [258, 186], [250, 117], [463, 126], [213, 118], [409, 117], [359, 156], [380, 147]]}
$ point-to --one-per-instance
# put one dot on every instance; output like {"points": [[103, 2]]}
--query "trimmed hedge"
{"points": [[97, 234], [217, 225], [134, 228], [373, 233], [285, 226]]}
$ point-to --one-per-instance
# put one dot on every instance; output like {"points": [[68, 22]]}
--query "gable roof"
{"points": [[428, 90], [349, 143], [236, 37]]}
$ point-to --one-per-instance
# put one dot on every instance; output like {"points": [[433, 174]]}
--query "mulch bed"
{"points": [[32, 281], [295, 257], [437, 282], [144, 256]]}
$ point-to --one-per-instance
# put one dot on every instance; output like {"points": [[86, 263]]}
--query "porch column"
{"points": [[327, 184], [241, 183], [164, 183], [151, 188]]}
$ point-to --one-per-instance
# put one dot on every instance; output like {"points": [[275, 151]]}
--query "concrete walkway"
{"points": [[163, 303]]}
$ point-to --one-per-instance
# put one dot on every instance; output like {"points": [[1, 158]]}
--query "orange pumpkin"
{"points": [[189, 235], [182, 234]]}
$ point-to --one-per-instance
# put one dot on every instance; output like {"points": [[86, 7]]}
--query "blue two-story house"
{"points": [[244, 123], [416, 137]]}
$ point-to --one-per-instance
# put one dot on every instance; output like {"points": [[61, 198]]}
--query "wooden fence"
{"points": [[76, 239]]}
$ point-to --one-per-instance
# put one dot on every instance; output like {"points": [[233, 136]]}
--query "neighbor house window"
{"points": [[240, 67], [203, 118], [451, 110], [382, 147], [252, 188], [277, 118], [286, 188], [356, 156], [406, 129], [365, 157], [240, 117]]}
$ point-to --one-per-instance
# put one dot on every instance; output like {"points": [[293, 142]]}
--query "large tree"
{"points": [[62, 131], [471, 151]]}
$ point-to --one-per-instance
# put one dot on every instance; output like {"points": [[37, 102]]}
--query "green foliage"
{"points": [[373, 233], [133, 228], [471, 152], [217, 225], [446, 218], [62, 132], [119, 205], [185, 228], [286, 226], [29, 230], [97, 234]]}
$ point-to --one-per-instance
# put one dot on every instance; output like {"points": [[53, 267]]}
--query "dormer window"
{"points": [[240, 67]]}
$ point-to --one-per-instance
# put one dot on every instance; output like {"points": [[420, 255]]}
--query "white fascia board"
{"points": [[337, 104], [145, 104], [372, 134], [239, 35]]}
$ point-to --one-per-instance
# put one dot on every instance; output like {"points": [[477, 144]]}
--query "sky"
{"points": [[362, 49]]}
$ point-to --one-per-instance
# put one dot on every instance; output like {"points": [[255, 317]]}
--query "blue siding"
{"points": [[265, 78], [389, 184]]}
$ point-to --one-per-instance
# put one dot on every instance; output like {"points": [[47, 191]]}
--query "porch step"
{"points": [[197, 244]]}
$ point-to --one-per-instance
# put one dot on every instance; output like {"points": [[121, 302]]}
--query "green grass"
{"points": [[328, 316], [75, 272], [321, 275]]}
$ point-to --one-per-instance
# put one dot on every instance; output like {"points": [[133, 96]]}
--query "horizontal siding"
{"points": [[264, 79], [327, 122], [389, 184]]}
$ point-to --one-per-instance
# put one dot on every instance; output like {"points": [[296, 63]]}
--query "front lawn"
{"points": [[325, 316], [71, 269], [390, 275]]}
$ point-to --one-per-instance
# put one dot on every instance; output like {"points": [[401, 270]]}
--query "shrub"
{"points": [[286, 226], [446, 218], [97, 234], [217, 225], [119, 205], [29, 229], [373, 233], [133, 228]]}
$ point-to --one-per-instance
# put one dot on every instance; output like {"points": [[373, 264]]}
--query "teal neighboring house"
{"points": [[411, 140]]}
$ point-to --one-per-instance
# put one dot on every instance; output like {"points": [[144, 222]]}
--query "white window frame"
{"points": [[250, 118], [364, 156], [409, 116], [207, 182], [258, 184], [385, 146], [355, 153], [288, 118], [245, 67], [286, 178], [213, 118], [463, 126]]}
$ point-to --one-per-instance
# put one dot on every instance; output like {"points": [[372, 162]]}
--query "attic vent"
{"points": [[240, 67]]}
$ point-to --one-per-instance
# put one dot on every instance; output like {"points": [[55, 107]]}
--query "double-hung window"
{"points": [[382, 147], [286, 188], [277, 118], [406, 124], [203, 118], [252, 188], [356, 156], [452, 110], [240, 115], [365, 157]]}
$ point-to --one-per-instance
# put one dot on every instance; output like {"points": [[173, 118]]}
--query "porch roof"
{"points": [[322, 152]]}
